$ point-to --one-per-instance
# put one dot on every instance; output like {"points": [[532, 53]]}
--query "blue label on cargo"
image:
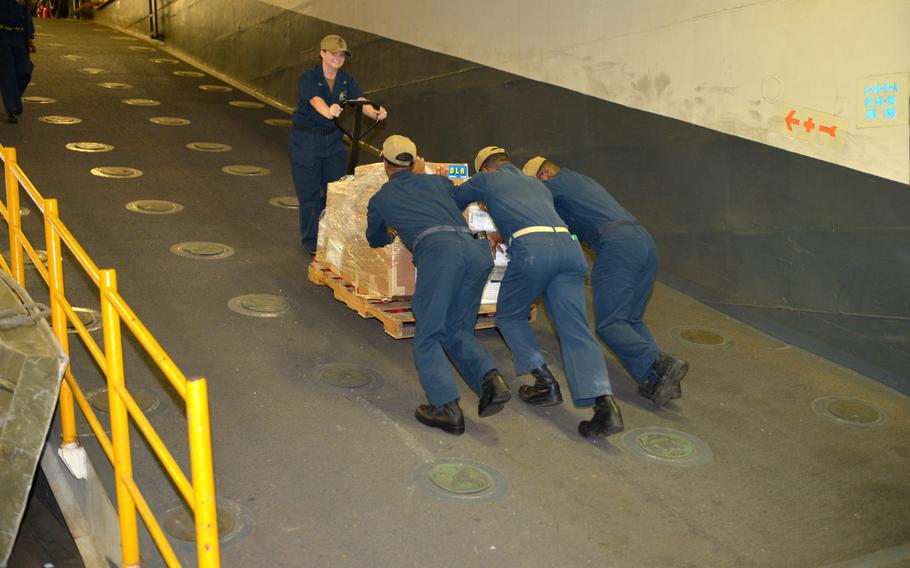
{"points": [[458, 172]]}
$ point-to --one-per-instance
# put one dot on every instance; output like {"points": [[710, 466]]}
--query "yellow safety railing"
{"points": [[199, 492]]}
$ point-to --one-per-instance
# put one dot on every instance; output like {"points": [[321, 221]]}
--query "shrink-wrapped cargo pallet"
{"points": [[380, 273]]}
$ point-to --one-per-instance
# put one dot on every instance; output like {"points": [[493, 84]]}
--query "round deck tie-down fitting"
{"points": [[285, 202], [89, 147], [142, 102], [850, 411], [462, 480], [169, 120], [154, 207], [57, 119], [668, 446], [203, 250], [116, 172], [260, 305], [90, 318], [246, 104], [208, 147], [234, 522], [145, 400], [701, 337], [245, 170]]}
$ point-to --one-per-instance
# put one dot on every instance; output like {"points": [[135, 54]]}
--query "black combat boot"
{"points": [[648, 389], [544, 391], [11, 118], [670, 372], [447, 417], [494, 394], [607, 419]]}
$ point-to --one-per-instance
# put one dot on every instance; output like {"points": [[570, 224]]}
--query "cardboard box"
{"points": [[382, 273]]}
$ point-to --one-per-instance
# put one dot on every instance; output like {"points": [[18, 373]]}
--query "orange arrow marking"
{"points": [[791, 121]]}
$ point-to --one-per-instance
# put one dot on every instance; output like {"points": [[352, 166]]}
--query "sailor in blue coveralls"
{"points": [[17, 34], [452, 269], [314, 141], [622, 277], [544, 260]]}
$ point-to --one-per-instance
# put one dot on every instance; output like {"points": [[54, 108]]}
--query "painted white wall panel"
{"points": [[733, 66]]}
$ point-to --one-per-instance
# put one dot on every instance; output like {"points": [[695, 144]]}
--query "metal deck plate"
{"points": [[142, 102], [850, 411], [90, 318], [701, 337], [146, 401], [203, 250], [169, 120], [245, 170], [286, 202], [154, 207], [234, 522], [57, 119], [260, 305], [462, 480], [89, 147], [246, 104], [668, 446], [208, 146], [118, 172]]}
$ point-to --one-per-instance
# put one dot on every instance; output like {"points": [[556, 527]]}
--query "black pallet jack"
{"points": [[358, 133]]}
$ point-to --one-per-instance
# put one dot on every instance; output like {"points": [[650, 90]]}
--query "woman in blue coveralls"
{"points": [[316, 149]]}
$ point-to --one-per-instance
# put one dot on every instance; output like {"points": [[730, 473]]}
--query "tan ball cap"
{"points": [[532, 166], [334, 44], [395, 145], [486, 153]]}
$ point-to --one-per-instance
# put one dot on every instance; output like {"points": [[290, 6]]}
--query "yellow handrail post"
{"points": [[200, 438], [14, 217], [120, 427], [58, 315]]}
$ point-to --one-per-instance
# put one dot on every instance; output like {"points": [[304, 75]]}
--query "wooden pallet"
{"points": [[395, 314]]}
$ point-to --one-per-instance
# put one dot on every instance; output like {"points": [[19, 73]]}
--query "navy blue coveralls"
{"points": [[16, 28], [551, 265], [624, 272], [315, 146], [452, 268]]}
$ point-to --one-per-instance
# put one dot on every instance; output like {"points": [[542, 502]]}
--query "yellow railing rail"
{"points": [[199, 491]]}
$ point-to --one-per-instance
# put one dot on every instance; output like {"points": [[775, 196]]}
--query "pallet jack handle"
{"points": [[358, 133]]}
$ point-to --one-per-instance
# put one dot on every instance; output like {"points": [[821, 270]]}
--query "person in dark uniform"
{"points": [[622, 277], [452, 269], [544, 260], [314, 142], [17, 40]]}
